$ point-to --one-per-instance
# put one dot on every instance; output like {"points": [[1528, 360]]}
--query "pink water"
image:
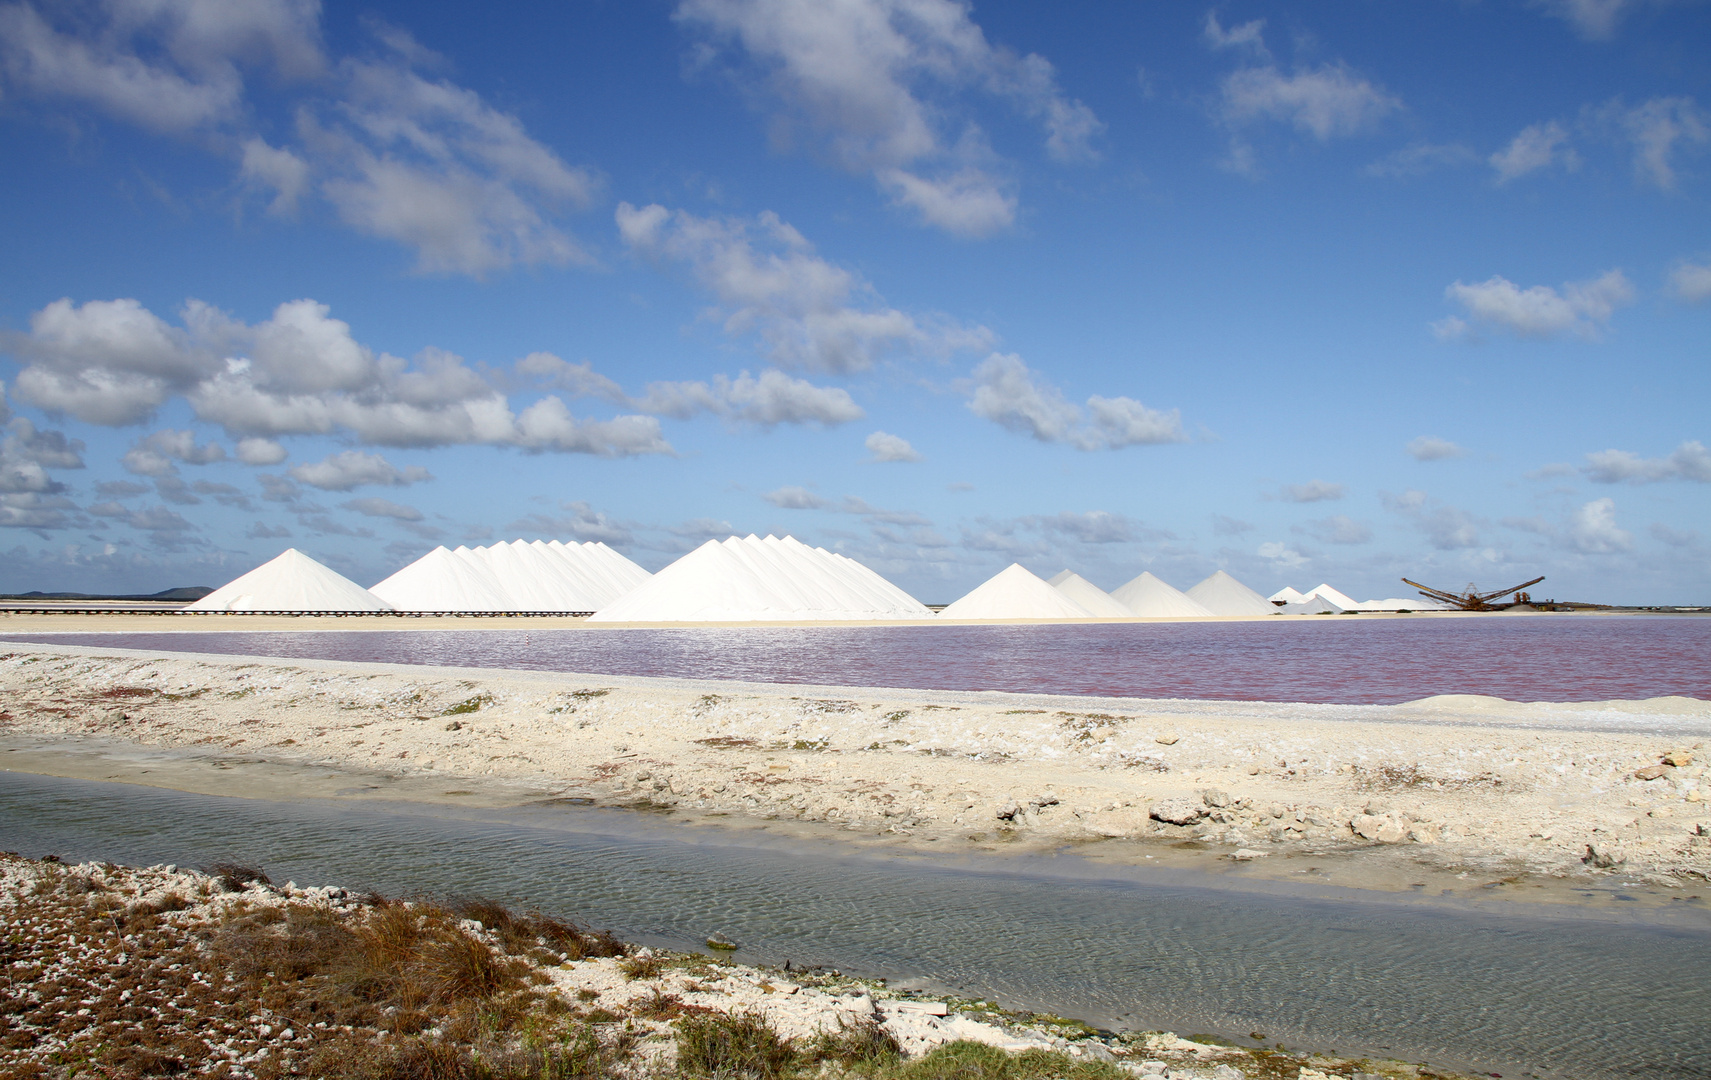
{"points": [[1349, 660]]}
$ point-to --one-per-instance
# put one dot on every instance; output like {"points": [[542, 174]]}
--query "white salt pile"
{"points": [[1342, 600], [1014, 593], [1151, 598], [1222, 594], [291, 582], [1286, 595], [1090, 596], [442, 580], [518, 576], [749, 579], [1314, 604]]}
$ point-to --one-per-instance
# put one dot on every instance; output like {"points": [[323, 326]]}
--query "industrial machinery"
{"points": [[1473, 599]]}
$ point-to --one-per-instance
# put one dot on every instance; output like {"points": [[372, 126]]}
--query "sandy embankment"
{"points": [[1451, 784]]}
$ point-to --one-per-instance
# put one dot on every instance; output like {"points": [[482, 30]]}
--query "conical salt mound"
{"points": [[442, 581], [1151, 598], [1314, 604], [1286, 595], [291, 582], [1090, 596], [1222, 594], [749, 579], [1342, 601], [1014, 593]]}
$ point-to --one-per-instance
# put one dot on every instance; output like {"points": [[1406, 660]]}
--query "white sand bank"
{"points": [[1448, 782]]}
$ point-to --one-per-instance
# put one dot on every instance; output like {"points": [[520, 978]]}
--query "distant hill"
{"points": [[186, 594]]}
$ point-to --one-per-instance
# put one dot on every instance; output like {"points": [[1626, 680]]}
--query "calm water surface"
{"points": [[1335, 659], [1558, 998]]}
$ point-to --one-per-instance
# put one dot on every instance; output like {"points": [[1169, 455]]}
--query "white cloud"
{"points": [[858, 72], [1690, 461], [794, 498], [885, 446], [1432, 448], [1281, 554], [354, 468], [374, 506], [1313, 491], [1418, 158], [1595, 20], [1249, 35], [1691, 282], [1326, 102], [548, 425], [1447, 528], [299, 372], [1537, 147], [255, 451], [420, 161], [155, 454], [1656, 129], [1008, 393], [27, 454], [1581, 307], [1594, 530], [579, 379], [807, 312], [1091, 527], [168, 65], [767, 400]]}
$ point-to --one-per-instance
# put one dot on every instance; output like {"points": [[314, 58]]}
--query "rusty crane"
{"points": [[1473, 599]]}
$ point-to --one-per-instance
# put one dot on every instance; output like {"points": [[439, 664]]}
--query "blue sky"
{"points": [[1319, 292]]}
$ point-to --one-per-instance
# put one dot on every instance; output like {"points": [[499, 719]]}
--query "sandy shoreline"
{"points": [[1383, 795]]}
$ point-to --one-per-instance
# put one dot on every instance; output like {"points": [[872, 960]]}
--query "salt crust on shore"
{"points": [[181, 906], [1574, 789]]}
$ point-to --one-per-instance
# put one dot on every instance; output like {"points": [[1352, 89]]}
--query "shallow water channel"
{"points": [[1517, 994]]}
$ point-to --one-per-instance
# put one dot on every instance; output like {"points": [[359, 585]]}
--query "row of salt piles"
{"points": [[751, 579], [515, 576], [1322, 599], [1016, 593]]}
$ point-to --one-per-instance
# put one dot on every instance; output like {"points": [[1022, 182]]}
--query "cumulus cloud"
{"points": [[1593, 529], [1432, 448], [1447, 528], [261, 531], [1657, 129], [1224, 525], [1313, 491], [1691, 282], [1005, 391], [1690, 461], [1249, 35], [1536, 147], [582, 522], [257, 451], [353, 469], [383, 508], [1091, 527], [1594, 20], [766, 400], [794, 498], [298, 372], [859, 75], [157, 454], [406, 157], [1281, 554], [885, 446], [878, 514], [1582, 308], [27, 453], [578, 380], [806, 312], [1326, 102]]}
